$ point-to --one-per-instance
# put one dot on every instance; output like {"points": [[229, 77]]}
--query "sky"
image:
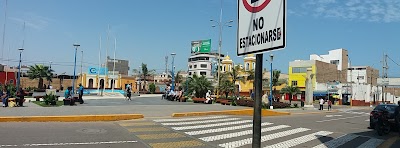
{"points": [[147, 31]]}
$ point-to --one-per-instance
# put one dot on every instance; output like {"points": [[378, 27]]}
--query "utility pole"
{"points": [[384, 76], [166, 64]]}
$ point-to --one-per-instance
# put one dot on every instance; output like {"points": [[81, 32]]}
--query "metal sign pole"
{"points": [[257, 102]]}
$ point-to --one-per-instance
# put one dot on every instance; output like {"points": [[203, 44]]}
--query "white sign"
{"points": [[261, 26]]}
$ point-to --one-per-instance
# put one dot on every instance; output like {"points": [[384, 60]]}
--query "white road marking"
{"points": [[247, 141], [211, 125], [189, 119], [341, 118], [201, 122], [216, 130], [64, 144], [371, 143], [337, 142], [333, 116], [299, 140], [242, 133]]}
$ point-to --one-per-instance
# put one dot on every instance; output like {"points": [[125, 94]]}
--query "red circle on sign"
{"points": [[255, 9]]}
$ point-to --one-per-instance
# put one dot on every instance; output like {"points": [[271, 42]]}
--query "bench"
{"points": [[70, 101], [226, 102], [38, 97], [199, 100]]}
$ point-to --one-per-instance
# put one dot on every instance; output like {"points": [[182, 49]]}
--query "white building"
{"points": [[203, 64], [338, 57], [363, 75]]}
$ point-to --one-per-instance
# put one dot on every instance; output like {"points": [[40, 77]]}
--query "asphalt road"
{"points": [[346, 128], [67, 135]]}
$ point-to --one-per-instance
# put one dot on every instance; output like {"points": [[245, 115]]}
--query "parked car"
{"points": [[383, 107]]}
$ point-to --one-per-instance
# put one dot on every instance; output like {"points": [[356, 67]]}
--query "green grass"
{"points": [[42, 104]]}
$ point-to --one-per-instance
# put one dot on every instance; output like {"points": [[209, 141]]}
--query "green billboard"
{"points": [[202, 46]]}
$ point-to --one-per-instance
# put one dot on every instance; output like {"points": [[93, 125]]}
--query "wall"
{"points": [[326, 72], [26, 82], [11, 76]]}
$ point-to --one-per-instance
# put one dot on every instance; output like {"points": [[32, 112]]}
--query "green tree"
{"points": [[40, 72], [144, 73], [227, 87], [152, 88], [178, 78], [291, 90], [235, 76], [200, 85]]}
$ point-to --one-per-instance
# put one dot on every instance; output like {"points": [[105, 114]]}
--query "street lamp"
{"points": [[140, 85], [270, 85], [220, 26], [173, 69], [50, 71], [73, 82], [19, 68]]}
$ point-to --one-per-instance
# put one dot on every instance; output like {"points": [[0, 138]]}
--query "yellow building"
{"points": [[245, 88], [93, 81], [298, 73]]}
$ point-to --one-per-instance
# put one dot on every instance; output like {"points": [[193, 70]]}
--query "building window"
{"points": [[299, 69], [203, 73], [247, 66], [224, 68], [294, 83], [229, 67], [336, 62], [254, 65], [203, 65], [360, 77], [190, 66], [195, 66], [190, 73]]}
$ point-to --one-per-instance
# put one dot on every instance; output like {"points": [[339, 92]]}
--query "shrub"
{"points": [[152, 88], [49, 99], [295, 105]]}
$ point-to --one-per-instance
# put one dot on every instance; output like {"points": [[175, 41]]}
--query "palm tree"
{"points": [[178, 78], [199, 85], [40, 72], [292, 90], [235, 76], [227, 87], [144, 73]]}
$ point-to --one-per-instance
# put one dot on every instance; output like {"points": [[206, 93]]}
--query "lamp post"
{"points": [[220, 26], [19, 68], [270, 85], [81, 67], [50, 71], [73, 80], [140, 85], [173, 69]]}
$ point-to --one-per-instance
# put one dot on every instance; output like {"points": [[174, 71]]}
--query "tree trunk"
{"points": [[291, 98], [40, 85]]}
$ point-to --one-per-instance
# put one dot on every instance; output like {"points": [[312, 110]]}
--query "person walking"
{"points": [[329, 105], [129, 92], [321, 104], [5, 94], [80, 93]]}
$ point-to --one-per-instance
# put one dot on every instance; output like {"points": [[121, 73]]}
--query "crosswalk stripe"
{"points": [[371, 143], [240, 143], [189, 119], [242, 133], [201, 122], [337, 142], [211, 125], [216, 130], [299, 140]]}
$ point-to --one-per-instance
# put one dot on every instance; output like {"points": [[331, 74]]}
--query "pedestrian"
{"points": [[321, 104], [397, 116], [129, 92], [21, 97], [329, 105], [4, 96], [80, 93]]}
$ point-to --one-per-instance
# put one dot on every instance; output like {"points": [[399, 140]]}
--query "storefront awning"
{"points": [[320, 93]]}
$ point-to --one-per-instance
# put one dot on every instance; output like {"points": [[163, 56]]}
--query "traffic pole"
{"points": [[257, 102]]}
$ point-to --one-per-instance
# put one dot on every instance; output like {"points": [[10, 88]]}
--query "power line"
{"points": [[393, 61]]}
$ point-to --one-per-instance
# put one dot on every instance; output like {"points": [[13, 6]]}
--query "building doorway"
{"points": [[90, 83], [102, 83]]}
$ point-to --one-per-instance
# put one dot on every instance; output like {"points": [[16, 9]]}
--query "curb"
{"points": [[75, 118], [246, 112], [320, 112], [389, 142]]}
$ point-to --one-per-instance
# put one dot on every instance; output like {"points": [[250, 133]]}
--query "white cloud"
{"points": [[361, 10]]}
